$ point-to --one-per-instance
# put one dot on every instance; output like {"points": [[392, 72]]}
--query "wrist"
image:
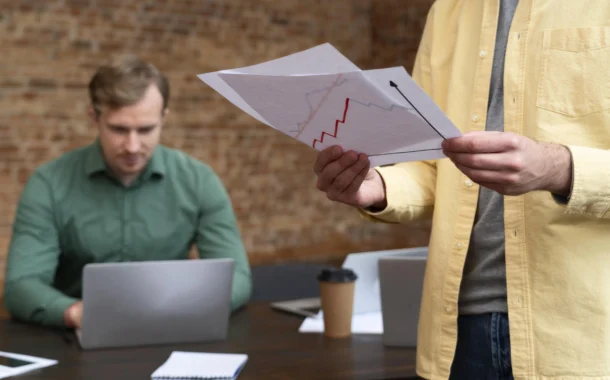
{"points": [[381, 203], [559, 169], [378, 206], [70, 316]]}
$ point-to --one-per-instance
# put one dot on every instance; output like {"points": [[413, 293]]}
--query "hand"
{"points": [[348, 178], [73, 315], [511, 164]]}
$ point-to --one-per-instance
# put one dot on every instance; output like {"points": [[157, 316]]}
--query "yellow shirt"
{"points": [[556, 89]]}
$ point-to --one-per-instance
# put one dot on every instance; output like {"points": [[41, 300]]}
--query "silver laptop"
{"points": [[367, 297], [401, 282], [155, 302]]}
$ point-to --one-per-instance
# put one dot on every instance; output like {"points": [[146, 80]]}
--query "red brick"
{"points": [[49, 50], [42, 84]]}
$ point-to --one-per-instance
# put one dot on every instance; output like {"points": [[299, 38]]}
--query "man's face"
{"points": [[129, 135]]}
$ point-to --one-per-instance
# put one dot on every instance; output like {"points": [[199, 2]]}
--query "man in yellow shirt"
{"points": [[520, 209]]}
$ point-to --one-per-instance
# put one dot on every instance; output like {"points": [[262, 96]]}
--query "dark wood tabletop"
{"points": [[271, 339]]}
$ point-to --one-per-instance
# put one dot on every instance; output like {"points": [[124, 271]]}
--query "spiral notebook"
{"points": [[200, 365]]}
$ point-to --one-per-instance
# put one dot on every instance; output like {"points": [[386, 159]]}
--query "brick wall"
{"points": [[49, 49]]}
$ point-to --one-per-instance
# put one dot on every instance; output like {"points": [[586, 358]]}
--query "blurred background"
{"points": [[50, 48]]}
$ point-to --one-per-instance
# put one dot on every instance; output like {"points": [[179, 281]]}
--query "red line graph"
{"points": [[336, 126]]}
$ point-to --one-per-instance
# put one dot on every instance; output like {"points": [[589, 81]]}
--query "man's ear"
{"points": [[92, 115], [164, 116]]}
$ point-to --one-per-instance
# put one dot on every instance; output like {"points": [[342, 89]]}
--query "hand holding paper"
{"points": [[347, 177], [320, 98]]}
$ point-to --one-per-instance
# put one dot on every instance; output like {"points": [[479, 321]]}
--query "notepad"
{"points": [[200, 365]]}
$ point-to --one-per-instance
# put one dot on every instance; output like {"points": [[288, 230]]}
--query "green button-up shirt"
{"points": [[72, 212]]}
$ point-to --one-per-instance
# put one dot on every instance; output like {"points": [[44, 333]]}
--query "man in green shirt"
{"points": [[122, 198]]}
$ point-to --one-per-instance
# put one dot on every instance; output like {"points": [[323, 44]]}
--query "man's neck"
{"points": [[128, 180]]}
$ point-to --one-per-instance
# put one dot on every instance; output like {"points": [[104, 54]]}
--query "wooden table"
{"points": [[271, 339]]}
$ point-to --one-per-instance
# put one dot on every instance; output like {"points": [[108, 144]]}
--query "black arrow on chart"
{"points": [[392, 84]]}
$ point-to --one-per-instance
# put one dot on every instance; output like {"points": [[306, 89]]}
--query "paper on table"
{"points": [[320, 98], [366, 323], [201, 365], [15, 364]]}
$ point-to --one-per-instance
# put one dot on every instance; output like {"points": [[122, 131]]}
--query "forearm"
{"points": [[31, 300], [241, 289], [410, 193], [218, 236]]}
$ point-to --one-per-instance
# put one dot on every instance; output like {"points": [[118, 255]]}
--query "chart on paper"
{"points": [[320, 98], [339, 109]]}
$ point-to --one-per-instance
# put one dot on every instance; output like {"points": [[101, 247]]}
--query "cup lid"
{"points": [[337, 275]]}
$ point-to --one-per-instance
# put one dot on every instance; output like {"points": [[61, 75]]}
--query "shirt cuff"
{"points": [[409, 193], [54, 311], [590, 194]]}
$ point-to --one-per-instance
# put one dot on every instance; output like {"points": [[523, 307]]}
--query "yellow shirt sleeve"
{"points": [[591, 183], [410, 186]]}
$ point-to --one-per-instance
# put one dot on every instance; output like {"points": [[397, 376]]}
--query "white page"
{"points": [[321, 59], [415, 98], [338, 109], [201, 365], [16, 364], [320, 98], [366, 323]]}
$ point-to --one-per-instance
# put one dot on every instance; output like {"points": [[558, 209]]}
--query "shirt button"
{"points": [[483, 53], [448, 309], [468, 183], [475, 118], [459, 245]]}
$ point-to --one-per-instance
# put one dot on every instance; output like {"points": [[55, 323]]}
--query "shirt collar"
{"points": [[96, 164]]}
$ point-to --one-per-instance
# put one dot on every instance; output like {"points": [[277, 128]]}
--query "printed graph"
{"points": [[339, 131], [354, 110]]}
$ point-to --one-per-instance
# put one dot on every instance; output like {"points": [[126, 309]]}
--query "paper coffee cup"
{"points": [[337, 299]]}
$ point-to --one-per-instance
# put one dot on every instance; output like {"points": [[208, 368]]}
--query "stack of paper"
{"points": [[319, 97], [201, 365], [365, 323]]}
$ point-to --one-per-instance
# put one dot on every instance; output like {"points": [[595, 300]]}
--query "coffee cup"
{"points": [[337, 300]]}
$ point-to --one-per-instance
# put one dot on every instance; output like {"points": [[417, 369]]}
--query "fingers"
{"points": [[351, 177], [490, 176], [488, 161], [325, 157], [482, 142], [332, 170], [357, 182]]}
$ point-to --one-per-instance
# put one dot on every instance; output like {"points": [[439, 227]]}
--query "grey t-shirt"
{"points": [[483, 287]]}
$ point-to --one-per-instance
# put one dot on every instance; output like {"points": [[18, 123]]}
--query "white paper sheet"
{"points": [[366, 323], [321, 59], [320, 98], [201, 365], [16, 364]]}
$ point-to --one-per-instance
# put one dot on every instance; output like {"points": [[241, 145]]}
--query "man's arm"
{"points": [[218, 235], [514, 165], [410, 187], [32, 259]]}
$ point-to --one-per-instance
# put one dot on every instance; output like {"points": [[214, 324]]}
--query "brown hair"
{"points": [[123, 81]]}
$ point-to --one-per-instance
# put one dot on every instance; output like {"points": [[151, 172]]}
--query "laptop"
{"points": [[367, 297], [401, 283], [155, 302]]}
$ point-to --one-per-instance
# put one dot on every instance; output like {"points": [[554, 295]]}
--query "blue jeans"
{"points": [[483, 348]]}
